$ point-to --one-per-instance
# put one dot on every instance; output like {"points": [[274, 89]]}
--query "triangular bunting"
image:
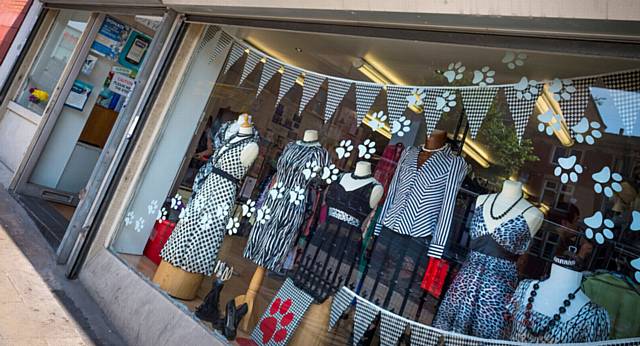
{"points": [[252, 60], [437, 102], [626, 97], [365, 314], [288, 79], [391, 327], [312, 83], [269, 69], [341, 302], [420, 336], [209, 35], [397, 101], [366, 94], [237, 51], [573, 103], [335, 93], [223, 42], [521, 108], [477, 102], [459, 339]]}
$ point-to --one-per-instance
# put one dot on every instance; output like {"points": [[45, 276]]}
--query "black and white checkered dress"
{"points": [[272, 237], [194, 243]]}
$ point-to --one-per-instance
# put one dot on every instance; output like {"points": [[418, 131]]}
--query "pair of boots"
{"points": [[209, 311]]}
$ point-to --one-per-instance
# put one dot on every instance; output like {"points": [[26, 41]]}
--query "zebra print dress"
{"points": [[280, 217]]}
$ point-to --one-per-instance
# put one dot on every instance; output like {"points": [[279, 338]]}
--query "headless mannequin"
{"points": [[178, 282], [363, 169], [436, 141], [511, 192]]}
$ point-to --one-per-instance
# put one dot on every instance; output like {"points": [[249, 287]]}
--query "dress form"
{"points": [[436, 140], [363, 169], [554, 290], [511, 192]]}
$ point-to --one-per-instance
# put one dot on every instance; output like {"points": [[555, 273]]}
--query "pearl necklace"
{"points": [[423, 148]]}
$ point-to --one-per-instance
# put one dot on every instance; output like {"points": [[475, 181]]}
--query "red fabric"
{"points": [[434, 276], [159, 236], [386, 167]]}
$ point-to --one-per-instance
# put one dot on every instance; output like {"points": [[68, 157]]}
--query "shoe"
{"points": [[209, 310], [233, 318]]}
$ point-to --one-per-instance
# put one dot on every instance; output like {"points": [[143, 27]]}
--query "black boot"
{"points": [[233, 318], [209, 310]]}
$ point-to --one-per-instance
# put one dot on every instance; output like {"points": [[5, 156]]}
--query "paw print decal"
{"points": [[275, 325], [483, 76], [377, 121], [446, 101], [330, 173], [366, 149], [206, 221], [635, 221], [176, 202], [513, 59], [152, 208], [222, 212], [401, 126], [297, 195], [562, 89], [454, 72], [586, 131], [416, 99], [526, 89], [635, 264], [263, 215], [162, 214], [277, 191], [310, 170], [344, 149], [233, 225], [605, 177], [128, 219], [183, 212], [549, 122], [568, 169], [139, 225], [248, 208], [595, 228]]}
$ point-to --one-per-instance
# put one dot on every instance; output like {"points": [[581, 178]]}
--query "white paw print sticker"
{"points": [[635, 223], [549, 122], [207, 220], [562, 89], [152, 208], [401, 126], [297, 195], [183, 212], [377, 121], [446, 101], [162, 214], [263, 215], [277, 191], [366, 149], [483, 76], [176, 202], [635, 264], [128, 220], [344, 149], [416, 99], [233, 225], [513, 59], [595, 229], [454, 72], [330, 173], [586, 131], [526, 89], [248, 208], [568, 169], [603, 178], [310, 170], [222, 212], [139, 225]]}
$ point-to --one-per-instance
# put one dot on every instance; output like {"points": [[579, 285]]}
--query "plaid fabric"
{"points": [[341, 301], [312, 83], [237, 51], [366, 94], [335, 93], [520, 108], [431, 112], [477, 102], [288, 79], [269, 69], [397, 101], [366, 312], [626, 96], [252, 61], [390, 328], [573, 108]]}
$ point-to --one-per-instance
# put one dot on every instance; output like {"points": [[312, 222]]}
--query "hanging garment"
{"points": [[434, 277], [218, 139], [590, 324], [194, 244], [475, 304], [386, 167], [330, 259], [421, 199], [280, 217]]}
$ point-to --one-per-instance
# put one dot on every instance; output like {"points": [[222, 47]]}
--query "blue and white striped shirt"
{"points": [[421, 200]]}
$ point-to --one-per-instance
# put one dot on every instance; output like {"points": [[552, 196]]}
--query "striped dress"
{"points": [[280, 217]]}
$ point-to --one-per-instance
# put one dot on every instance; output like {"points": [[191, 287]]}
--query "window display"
{"points": [[389, 214]]}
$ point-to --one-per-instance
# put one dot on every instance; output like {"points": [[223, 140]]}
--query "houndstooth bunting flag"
{"points": [[624, 88], [269, 69], [237, 51], [312, 83], [476, 102], [366, 94], [397, 101], [436, 103], [341, 301], [335, 93], [288, 80], [573, 97], [391, 327], [521, 108], [252, 61], [366, 312]]}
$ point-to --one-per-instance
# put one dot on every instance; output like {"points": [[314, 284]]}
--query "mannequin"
{"points": [[436, 141], [554, 290], [363, 169], [310, 136], [511, 192]]}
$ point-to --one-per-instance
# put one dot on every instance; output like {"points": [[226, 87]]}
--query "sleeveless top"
{"points": [[350, 206]]}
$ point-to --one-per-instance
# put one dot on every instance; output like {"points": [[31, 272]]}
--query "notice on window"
{"points": [[78, 95], [121, 84]]}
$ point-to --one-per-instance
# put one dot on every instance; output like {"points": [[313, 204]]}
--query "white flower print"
{"points": [[232, 225], [568, 164], [446, 101], [310, 170], [297, 195], [366, 149], [344, 148], [139, 224], [513, 59], [162, 214], [562, 89], [248, 208], [263, 215], [602, 180], [401, 126], [416, 99], [549, 122], [586, 131], [595, 228], [176, 201], [454, 72], [222, 212], [483, 76], [377, 121], [277, 191], [152, 208], [128, 219], [526, 89]]}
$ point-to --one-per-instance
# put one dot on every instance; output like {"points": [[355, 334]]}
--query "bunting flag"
{"points": [[437, 102], [366, 94], [237, 51], [252, 61], [223, 43], [397, 101], [421, 335], [312, 83], [574, 105], [456, 339], [390, 328], [626, 97], [341, 301], [288, 80], [477, 102], [335, 93], [269, 69], [209, 35], [365, 314], [521, 109]]}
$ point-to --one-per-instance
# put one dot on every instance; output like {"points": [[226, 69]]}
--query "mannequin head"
{"points": [[511, 188], [436, 140], [310, 136], [363, 168], [244, 120]]}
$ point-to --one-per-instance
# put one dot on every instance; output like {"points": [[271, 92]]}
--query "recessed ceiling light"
{"points": [[298, 49]]}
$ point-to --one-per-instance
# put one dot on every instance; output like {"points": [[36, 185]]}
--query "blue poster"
{"points": [[110, 39]]}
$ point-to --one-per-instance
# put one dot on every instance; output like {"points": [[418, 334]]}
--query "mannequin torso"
{"points": [[243, 128], [363, 169], [511, 192], [436, 141], [554, 291]]}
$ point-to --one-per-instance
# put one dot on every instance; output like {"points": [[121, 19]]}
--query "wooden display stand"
{"points": [[314, 326], [177, 282], [250, 296]]}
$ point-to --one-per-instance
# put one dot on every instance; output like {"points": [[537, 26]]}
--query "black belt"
{"points": [[225, 175], [488, 246]]}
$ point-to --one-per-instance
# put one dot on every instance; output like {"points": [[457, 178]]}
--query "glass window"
{"points": [[52, 59]]}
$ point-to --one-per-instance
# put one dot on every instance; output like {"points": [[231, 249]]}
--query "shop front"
{"points": [[310, 188]]}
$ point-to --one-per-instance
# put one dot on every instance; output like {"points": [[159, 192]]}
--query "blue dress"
{"points": [[475, 304]]}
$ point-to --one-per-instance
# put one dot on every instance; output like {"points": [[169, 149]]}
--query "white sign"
{"points": [[121, 84]]}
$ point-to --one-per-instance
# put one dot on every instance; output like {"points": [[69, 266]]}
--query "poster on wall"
{"points": [[121, 84], [110, 39], [78, 95]]}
